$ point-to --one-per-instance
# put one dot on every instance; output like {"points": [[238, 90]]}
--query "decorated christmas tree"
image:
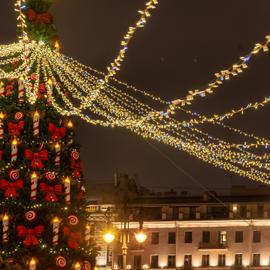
{"points": [[42, 193]]}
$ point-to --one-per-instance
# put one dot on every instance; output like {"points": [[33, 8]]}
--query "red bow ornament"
{"points": [[36, 158], [52, 192], [56, 133], [39, 17], [74, 238], [11, 187], [15, 129], [31, 235], [76, 166]]}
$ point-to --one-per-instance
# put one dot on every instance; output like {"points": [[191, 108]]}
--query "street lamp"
{"points": [[140, 236]]}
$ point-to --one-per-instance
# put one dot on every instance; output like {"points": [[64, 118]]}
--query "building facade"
{"points": [[230, 231]]}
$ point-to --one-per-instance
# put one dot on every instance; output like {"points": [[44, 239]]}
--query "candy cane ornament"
{"points": [[67, 190], [36, 119], [58, 154], [2, 116], [21, 89]]}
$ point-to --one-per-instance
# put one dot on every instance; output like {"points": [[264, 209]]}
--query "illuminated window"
{"points": [[187, 262], [222, 238]]}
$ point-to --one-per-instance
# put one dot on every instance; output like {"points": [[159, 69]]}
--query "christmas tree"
{"points": [[42, 203]]}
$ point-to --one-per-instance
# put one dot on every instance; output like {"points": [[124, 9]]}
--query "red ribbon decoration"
{"points": [[51, 192], [74, 238], [39, 17], [15, 129], [31, 235], [56, 133], [11, 187], [36, 158]]}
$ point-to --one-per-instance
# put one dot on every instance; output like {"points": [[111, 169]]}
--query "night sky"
{"points": [[182, 46]]}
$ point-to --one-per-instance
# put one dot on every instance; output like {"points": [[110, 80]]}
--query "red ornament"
{"points": [[36, 158], [75, 154], [56, 133], [18, 116], [11, 187], [39, 17], [30, 235], [51, 192], [74, 238], [73, 220], [34, 76], [30, 215], [60, 261], [86, 265], [50, 176], [15, 129], [14, 174]]}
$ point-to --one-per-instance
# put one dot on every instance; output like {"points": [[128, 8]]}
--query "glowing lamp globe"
{"points": [[108, 237], [140, 236]]}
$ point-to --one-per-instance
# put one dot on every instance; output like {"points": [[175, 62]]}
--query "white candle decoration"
{"points": [[21, 89], [58, 154], [77, 266], [70, 126], [33, 264], [34, 184], [49, 91], [14, 150], [2, 116], [36, 119], [56, 227], [67, 190], [5, 224], [2, 89], [87, 234]]}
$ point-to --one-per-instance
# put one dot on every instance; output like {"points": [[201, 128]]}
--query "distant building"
{"points": [[211, 230]]}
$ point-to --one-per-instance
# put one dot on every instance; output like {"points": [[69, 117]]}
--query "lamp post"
{"points": [[109, 237]]}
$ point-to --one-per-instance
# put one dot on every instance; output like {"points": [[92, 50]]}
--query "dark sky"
{"points": [[183, 45]]}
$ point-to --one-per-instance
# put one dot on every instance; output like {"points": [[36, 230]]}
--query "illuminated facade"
{"points": [[231, 231]]}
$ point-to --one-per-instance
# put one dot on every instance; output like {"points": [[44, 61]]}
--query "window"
{"points": [[260, 211], [137, 262], [238, 260], [221, 260], [120, 261], [205, 260], [171, 238], [243, 211], [205, 236], [154, 261], [187, 262], [222, 238], [256, 237], [171, 261], [188, 237], [155, 238], [256, 260], [239, 237]]}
